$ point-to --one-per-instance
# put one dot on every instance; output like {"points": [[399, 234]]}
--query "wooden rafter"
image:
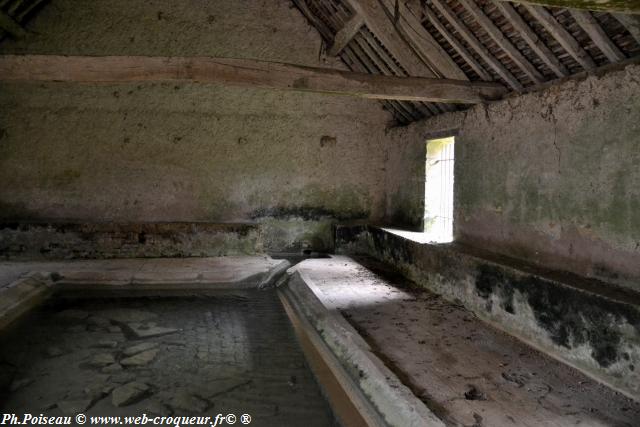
{"points": [[370, 50], [313, 19], [346, 34], [355, 64], [383, 65], [8, 24], [505, 44], [590, 26], [353, 61], [476, 45], [532, 39], [625, 6], [462, 51], [631, 23], [242, 72], [423, 43], [361, 62], [379, 23], [369, 66], [391, 66], [566, 40]]}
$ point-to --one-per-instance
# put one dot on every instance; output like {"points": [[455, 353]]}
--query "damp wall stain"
{"points": [[571, 318]]}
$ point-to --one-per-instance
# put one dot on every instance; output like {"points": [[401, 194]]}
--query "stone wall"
{"points": [[152, 152], [127, 240], [552, 176]]}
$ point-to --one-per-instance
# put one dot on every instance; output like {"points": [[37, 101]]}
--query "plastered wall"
{"points": [[155, 152], [552, 177]]}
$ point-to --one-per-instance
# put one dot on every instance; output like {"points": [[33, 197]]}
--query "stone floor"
{"points": [[467, 372], [231, 353]]}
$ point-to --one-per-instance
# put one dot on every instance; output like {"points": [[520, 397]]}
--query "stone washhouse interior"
{"points": [[320, 213]]}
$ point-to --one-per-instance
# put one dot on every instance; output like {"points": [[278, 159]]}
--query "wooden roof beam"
{"points": [[354, 63], [590, 26], [367, 56], [624, 6], [8, 24], [563, 37], [532, 39], [346, 34], [505, 44], [423, 43], [462, 51], [380, 63], [631, 23], [313, 19], [244, 73], [379, 23], [466, 34]]}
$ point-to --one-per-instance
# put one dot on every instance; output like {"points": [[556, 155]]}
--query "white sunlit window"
{"points": [[438, 194]]}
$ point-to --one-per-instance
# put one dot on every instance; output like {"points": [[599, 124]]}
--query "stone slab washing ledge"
{"points": [[24, 285], [590, 325]]}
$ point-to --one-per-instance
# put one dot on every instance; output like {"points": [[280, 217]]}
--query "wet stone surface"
{"points": [[231, 353]]}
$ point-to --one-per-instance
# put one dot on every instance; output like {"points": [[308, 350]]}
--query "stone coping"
{"points": [[37, 281], [393, 401]]}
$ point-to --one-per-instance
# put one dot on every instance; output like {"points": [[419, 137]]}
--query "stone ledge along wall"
{"points": [[153, 153], [583, 322], [552, 176]]}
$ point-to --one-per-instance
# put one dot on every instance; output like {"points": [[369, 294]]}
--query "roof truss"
{"points": [[521, 45]]}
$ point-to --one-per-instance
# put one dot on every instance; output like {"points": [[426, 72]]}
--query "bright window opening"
{"points": [[438, 190]]}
